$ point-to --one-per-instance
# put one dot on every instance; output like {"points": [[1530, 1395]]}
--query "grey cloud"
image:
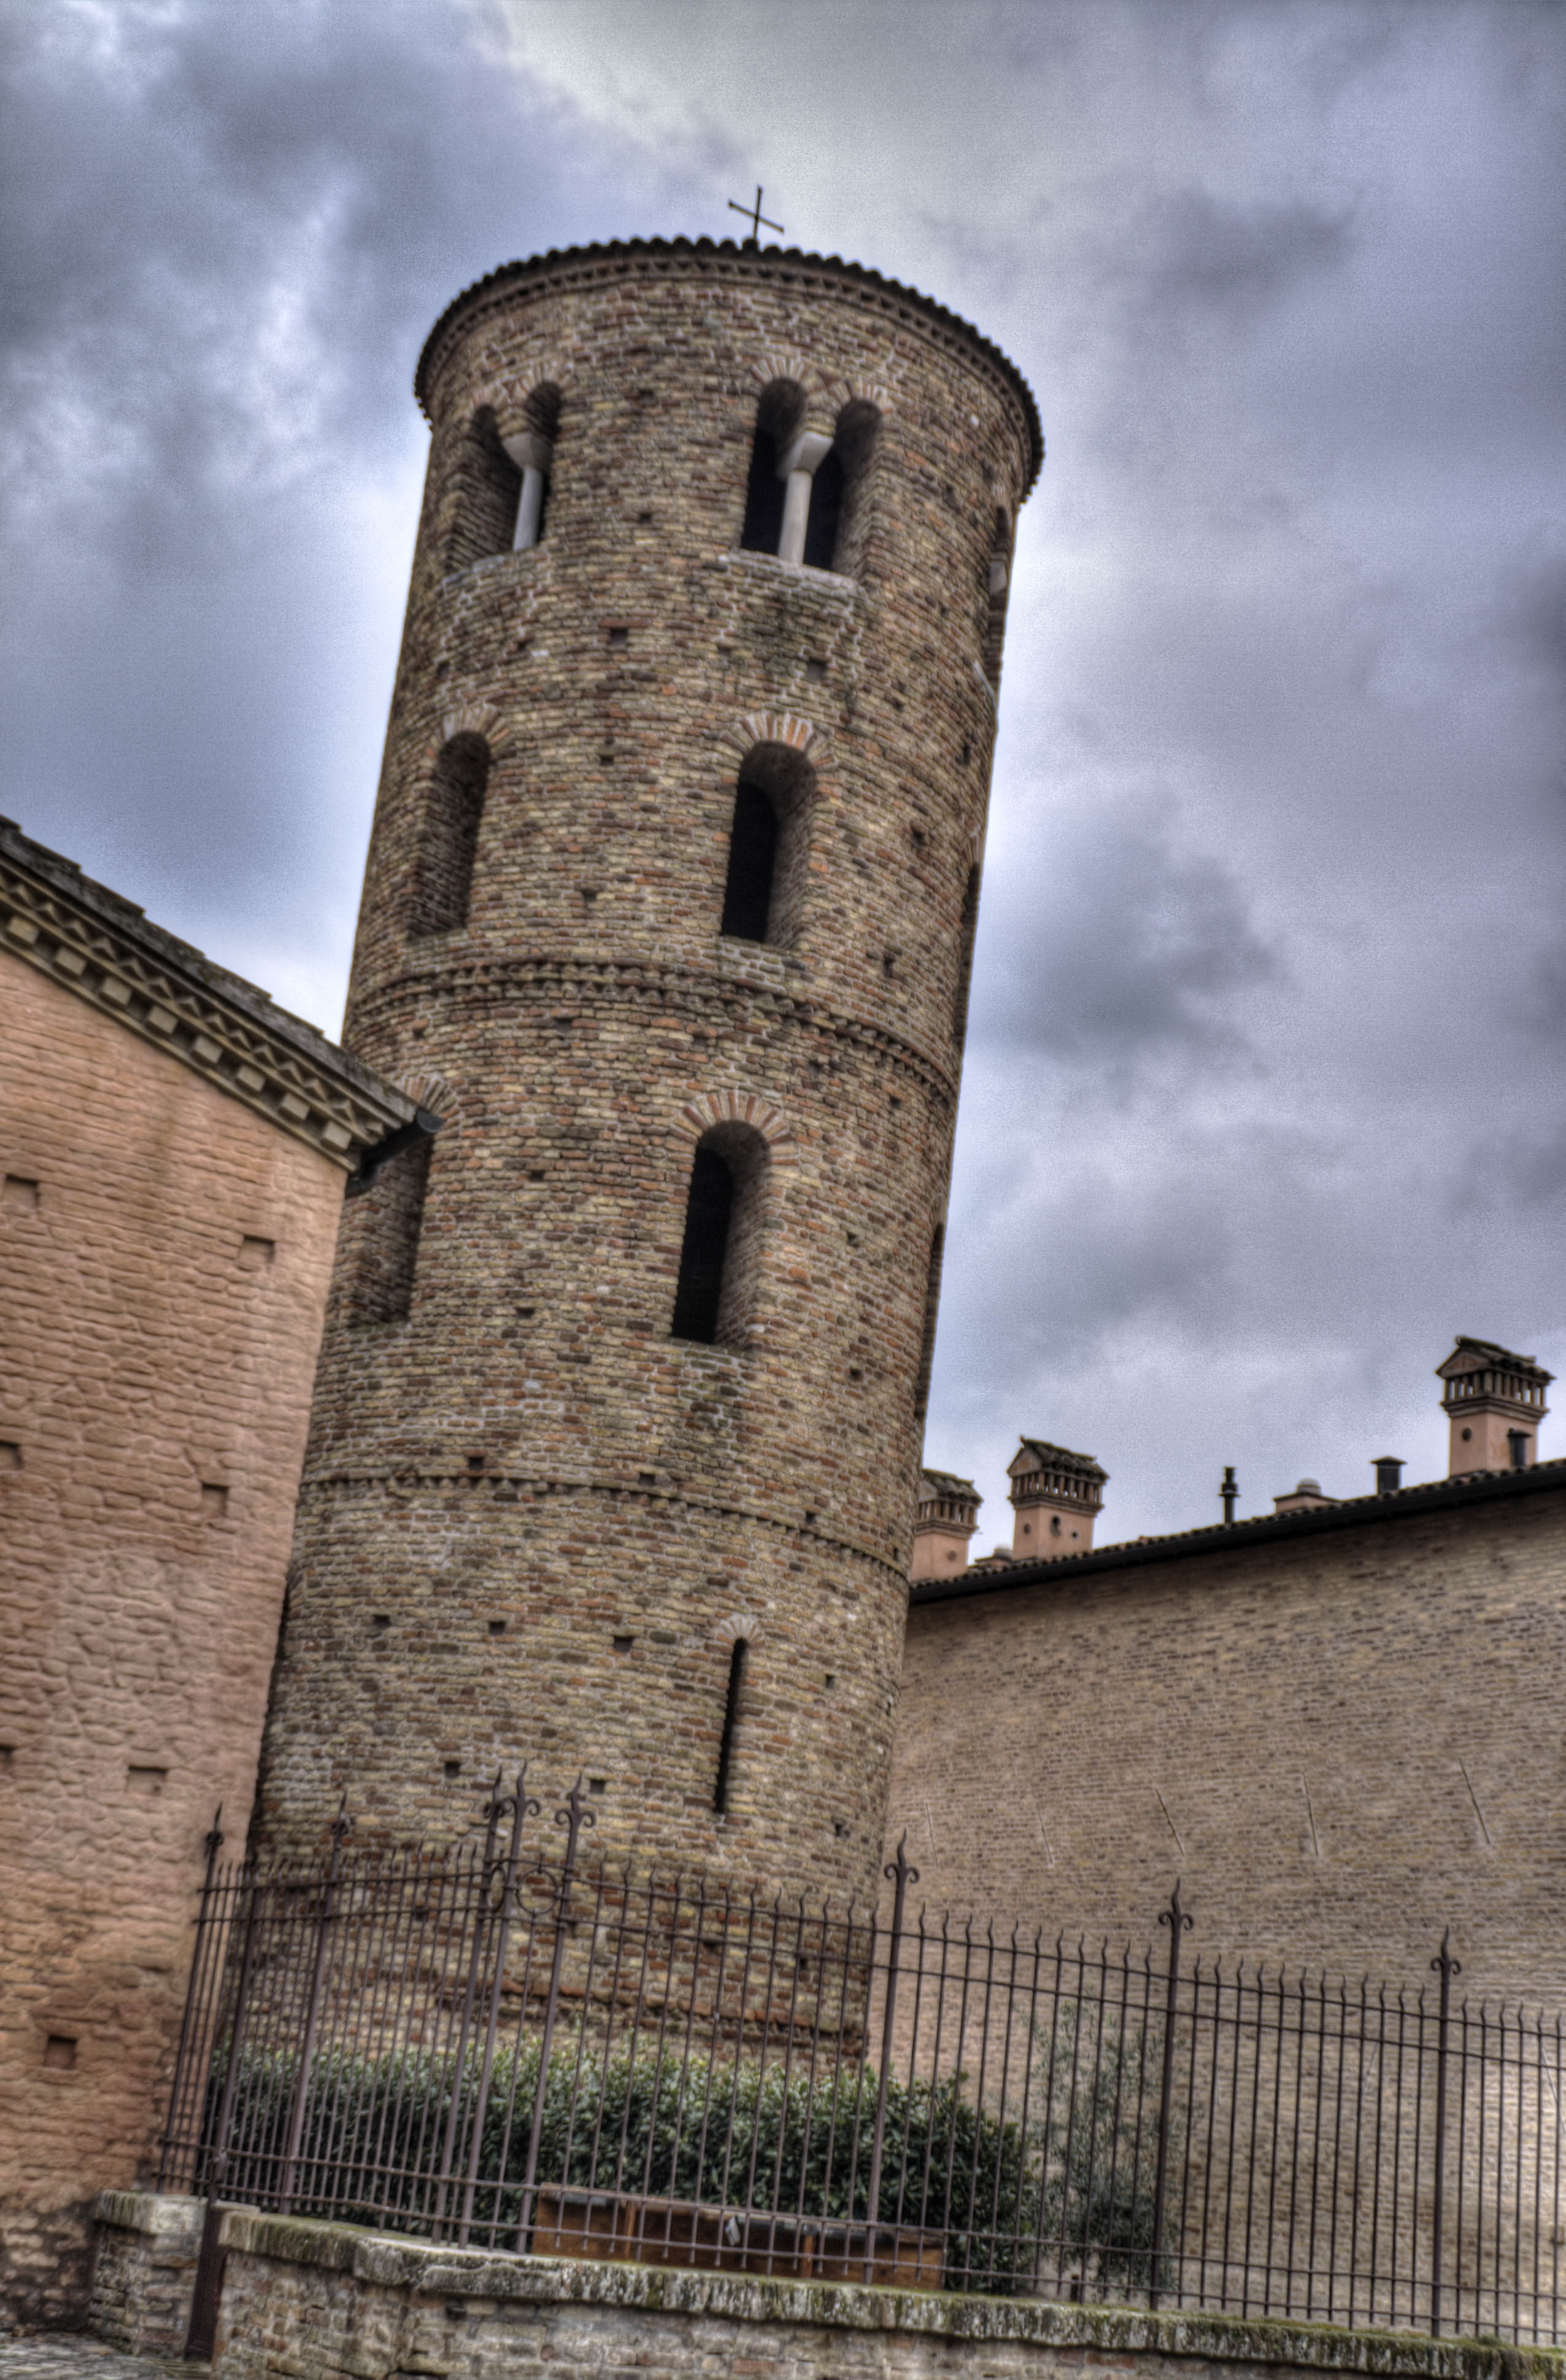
{"points": [[1114, 944], [1229, 258]]}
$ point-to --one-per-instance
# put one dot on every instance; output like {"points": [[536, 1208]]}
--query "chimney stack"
{"points": [[1389, 1474], [946, 1519], [1495, 1401], [1056, 1496]]}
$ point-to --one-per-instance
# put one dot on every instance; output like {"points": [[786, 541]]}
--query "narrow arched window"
{"points": [[380, 1235], [778, 415], [926, 1336], [720, 1253], [764, 883], [486, 488], [837, 536], [999, 589], [730, 1726], [531, 450], [966, 930], [453, 809]]}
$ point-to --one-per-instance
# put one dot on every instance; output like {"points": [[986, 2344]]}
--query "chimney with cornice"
{"points": [[1056, 1496], [1495, 1401], [946, 1519]]}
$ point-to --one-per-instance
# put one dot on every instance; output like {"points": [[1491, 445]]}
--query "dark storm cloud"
{"points": [[1220, 256], [227, 230]]}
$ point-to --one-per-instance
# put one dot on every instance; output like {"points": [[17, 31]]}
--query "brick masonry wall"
{"points": [[528, 1466], [302, 2301], [1356, 1738], [152, 1409], [144, 2263]]}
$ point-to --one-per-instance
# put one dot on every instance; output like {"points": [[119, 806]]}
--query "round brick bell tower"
{"points": [[668, 915]]}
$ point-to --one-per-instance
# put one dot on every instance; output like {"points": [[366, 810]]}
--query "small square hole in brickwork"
{"points": [[526, 1312], [624, 1644], [497, 1628], [840, 1826], [645, 516], [597, 1784], [18, 1194], [256, 1254], [606, 757], [8, 1756], [808, 1518], [648, 1478], [855, 1373], [453, 1768], [214, 1502], [619, 636], [10, 1454], [832, 1677], [967, 754], [537, 1174], [815, 671], [475, 1463], [381, 1622], [59, 2051], [142, 1778]]}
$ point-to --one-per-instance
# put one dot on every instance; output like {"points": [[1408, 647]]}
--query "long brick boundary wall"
{"points": [[303, 2300]]}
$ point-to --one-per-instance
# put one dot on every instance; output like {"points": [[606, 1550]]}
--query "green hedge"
{"points": [[376, 2136]]}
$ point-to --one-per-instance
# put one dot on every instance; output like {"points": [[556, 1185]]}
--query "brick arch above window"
{"points": [[776, 727], [699, 1116], [840, 390], [740, 1627], [513, 397], [472, 719], [436, 1095]]}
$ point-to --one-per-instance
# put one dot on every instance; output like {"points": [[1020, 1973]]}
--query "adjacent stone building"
{"points": [[669, 901], [1339, 1725], [174, 1150]]}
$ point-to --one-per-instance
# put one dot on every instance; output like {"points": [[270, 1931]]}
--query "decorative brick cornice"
{"points": [[788, 267], [103, 949], [579, 976]]}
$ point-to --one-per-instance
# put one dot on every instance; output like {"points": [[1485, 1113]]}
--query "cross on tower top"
{"points": [[757, 219]]}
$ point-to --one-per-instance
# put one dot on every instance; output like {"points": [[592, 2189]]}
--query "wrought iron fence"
{"points": [[502, 2049]]}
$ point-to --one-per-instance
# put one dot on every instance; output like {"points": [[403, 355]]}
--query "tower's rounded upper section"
{"points": [[669, 909]]}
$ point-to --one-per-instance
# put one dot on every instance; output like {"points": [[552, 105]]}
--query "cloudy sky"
{"points": [[1264, 1093]]}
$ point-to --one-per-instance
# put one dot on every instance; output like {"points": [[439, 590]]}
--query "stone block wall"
{"points": [[144, 2270], [165, 1253], [1341, 1745], [305, 2300]]}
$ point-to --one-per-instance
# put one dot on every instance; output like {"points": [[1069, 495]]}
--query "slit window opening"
{"points": [[730, 1724], [709, 1214], [753, 858], [826, 514], [453, 814], [926, 1336]]}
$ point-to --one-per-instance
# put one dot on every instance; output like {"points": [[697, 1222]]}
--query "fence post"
{"points": [[213, 1845], [901, 1876], [574, 1817], [521, 1806], [341, 1826], [208, 2263], [1446, 1966], [1179, 1923]]}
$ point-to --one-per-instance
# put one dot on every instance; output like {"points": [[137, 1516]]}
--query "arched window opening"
{"points": [[766, 867], [998, 590], [453, 809], [720, 1256], [730, 1724], [839, 511], [966, 930], [380, 1235], [531, 450], [487, 487], [778, 415], [927, 1341]]}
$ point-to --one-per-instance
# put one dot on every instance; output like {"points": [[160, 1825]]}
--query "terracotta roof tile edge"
{"points": [[1234, 1536]]}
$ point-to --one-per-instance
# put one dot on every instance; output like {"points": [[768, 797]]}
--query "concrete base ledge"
{"points": [[310, 2301]]}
